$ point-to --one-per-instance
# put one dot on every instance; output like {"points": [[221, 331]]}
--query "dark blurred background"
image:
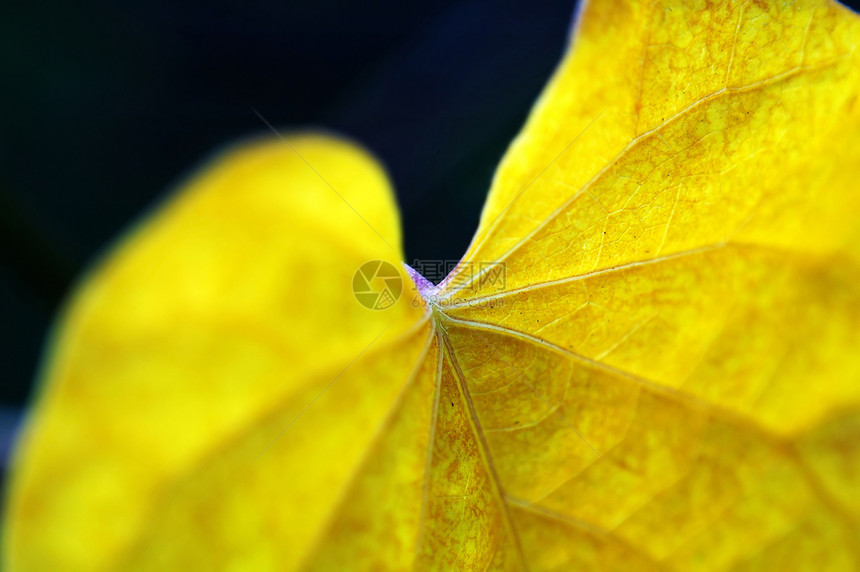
{"points": [[105, 107]]}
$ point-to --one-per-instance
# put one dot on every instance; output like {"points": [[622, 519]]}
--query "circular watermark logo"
{"points": [[377, 285]]}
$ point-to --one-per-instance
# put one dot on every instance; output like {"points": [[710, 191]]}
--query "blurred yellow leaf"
{"points": [[647, 358]]}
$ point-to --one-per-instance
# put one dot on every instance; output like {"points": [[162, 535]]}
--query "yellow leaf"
{"points": [[193, 345], [647, 358]]}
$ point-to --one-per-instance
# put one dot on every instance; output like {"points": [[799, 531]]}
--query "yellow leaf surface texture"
{"points": [[649, 357]]}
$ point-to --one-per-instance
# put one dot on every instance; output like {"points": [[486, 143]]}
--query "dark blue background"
{"points": [[105, 107]]}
